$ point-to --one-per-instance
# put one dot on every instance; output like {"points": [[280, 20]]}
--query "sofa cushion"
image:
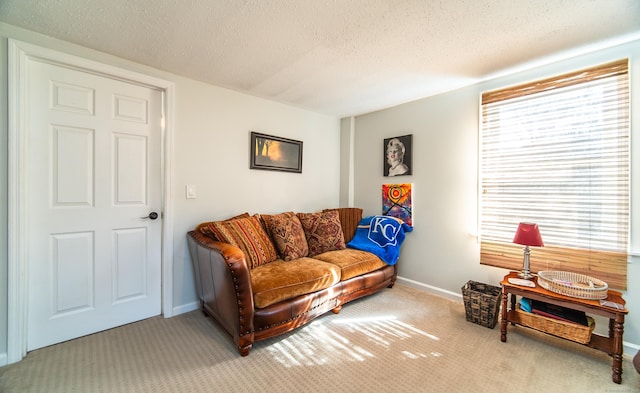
{"points": [[281, 280], [287, 234], [322, 231], [200, 227], [349, 219], [248, 235], [265, 219], [352, 262]]}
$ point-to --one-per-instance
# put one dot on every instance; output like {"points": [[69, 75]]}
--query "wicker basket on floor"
{"points": [[481, 303], [571, 331]]}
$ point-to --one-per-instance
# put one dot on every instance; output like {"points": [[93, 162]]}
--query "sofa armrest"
{"points": [[223, 283]]}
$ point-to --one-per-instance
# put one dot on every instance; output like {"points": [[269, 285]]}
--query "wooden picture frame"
{"points": [[397, 152], [273, 153]]}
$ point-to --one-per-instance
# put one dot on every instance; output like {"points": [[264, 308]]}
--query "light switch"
{"points": [[191, 191]]}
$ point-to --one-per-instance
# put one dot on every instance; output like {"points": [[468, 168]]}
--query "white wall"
{"points": [[211, 150], [442, 253]]}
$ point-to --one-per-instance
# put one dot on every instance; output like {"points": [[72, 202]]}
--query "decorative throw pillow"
{"points": [[349, 219], [265, 219], [323, 231], [202, 227], [288, 235], [248, 235]]}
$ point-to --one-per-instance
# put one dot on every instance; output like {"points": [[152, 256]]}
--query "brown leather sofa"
{"points": [[240, 297]]}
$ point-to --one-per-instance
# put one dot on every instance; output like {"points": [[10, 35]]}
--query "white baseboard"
{"points": [[431, 289], [630, 349], [185, 308], [3, 359]]}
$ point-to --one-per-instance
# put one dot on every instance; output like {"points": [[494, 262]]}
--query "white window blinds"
{"points": [[556, 152]]}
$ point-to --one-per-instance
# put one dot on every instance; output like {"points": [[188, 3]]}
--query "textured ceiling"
{"points": [[339, 57]]}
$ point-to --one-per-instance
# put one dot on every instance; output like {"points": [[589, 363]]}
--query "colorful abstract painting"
{"points": [[397, 202]]}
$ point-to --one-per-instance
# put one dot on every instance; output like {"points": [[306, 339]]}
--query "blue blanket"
{"points": [[380, 235]]}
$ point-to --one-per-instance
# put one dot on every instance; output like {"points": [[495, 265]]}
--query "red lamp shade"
{"points": [[528, 235]]}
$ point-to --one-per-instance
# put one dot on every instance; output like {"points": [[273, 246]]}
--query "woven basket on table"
{"points": [[573, 284], [569, 330]]}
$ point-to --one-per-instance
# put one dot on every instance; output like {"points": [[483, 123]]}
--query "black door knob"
{"points": [[152, 215]]}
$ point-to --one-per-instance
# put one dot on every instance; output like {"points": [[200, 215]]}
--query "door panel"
{"points": [[72, 171], [130, 263], [94, 172], [130, 169], [72, 272]]}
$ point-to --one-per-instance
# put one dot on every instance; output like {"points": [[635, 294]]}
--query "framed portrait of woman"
{"points": [[397, 156]]}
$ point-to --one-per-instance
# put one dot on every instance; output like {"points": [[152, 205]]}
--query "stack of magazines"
{"points": [[553, 311]]}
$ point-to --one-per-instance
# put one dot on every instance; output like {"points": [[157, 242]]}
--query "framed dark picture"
{"points": [[397, 156], [273, 153]]}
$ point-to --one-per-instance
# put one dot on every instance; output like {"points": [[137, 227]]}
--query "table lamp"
{"points": [[527, 235]]}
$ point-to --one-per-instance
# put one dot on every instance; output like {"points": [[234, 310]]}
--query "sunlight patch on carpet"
{"points": [[348, 340], [390, 325]]}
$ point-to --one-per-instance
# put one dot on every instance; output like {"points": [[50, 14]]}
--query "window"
{"points": [[556, 152]]}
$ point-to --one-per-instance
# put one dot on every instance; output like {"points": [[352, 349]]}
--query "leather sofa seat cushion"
{"points": [[281, 280], [352, 262]]}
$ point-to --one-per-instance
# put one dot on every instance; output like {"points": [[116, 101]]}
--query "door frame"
{"points": [[19, 55]]}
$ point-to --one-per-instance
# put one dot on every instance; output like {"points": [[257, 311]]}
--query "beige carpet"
{"points": [[400, 340]]}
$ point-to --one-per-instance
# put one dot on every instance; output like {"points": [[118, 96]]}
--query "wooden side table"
{"points": [[612, 344]]}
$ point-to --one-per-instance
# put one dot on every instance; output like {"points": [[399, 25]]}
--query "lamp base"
{"points": [[526, 275]]}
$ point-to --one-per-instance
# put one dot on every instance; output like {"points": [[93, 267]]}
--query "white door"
{"points": [[94, 173]]}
